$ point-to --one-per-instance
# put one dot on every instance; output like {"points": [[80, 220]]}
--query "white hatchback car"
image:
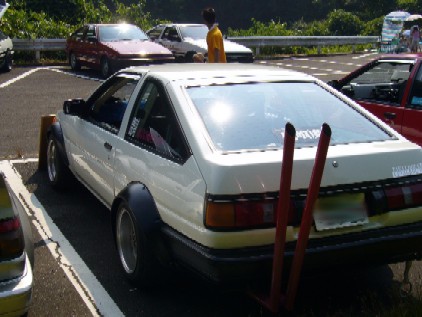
{"points": [[185, 40], [188, 157]]}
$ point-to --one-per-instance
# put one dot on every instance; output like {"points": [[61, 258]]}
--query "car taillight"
{"points": [[11, 238], [9, 225], [394, 198], [239, 214]]}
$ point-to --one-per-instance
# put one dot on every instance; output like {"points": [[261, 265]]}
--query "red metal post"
{"points": [[272, 302], [283, 207], [306, 223]]}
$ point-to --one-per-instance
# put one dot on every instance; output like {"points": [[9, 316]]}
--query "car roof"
{"points": [[108, 24], [180, 24], [229, 71]]}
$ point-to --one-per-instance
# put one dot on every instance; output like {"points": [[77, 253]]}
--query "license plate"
{"points": [[347, 210]]}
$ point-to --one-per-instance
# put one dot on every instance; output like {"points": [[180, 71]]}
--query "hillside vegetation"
{"points": [[57, 18]]}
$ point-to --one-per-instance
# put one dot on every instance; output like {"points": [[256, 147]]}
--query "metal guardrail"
{"points": [[39, 45], [258, 42], [255, 42]]}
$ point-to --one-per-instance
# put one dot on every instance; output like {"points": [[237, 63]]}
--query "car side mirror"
{"points": [[334, 83], [75, 107]]}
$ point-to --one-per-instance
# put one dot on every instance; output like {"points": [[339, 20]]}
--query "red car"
{"points": [[110, 47], [391, 88]]}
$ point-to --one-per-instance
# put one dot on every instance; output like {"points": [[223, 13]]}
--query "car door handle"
{"points": [[390, 115], [108, 146]]}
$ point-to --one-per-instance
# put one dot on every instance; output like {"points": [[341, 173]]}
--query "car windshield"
{"points": [[194, 32], [121, 32], [253, 116]]}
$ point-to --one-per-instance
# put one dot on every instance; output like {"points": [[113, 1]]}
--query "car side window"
{"points": [[154, 125], [109, 104], [90, 32], [171, 34], [384, 82], [155, 33], [79, 33], [415, 98]]}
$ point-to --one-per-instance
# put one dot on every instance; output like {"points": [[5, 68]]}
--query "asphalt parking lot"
{"points": [[77, 271]]}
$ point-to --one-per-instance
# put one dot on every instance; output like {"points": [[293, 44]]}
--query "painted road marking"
{"points": [[86, 284], [52, 68], [9, 82]]}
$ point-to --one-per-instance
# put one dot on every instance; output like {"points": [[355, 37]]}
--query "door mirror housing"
{"points": [[75, 107]]}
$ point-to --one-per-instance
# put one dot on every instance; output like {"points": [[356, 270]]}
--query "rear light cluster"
{"points": [[394, 198], [260, 212], [11, 238], [243, 213]]}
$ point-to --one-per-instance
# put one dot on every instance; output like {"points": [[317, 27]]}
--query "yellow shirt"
{"points": [[215, 41]]}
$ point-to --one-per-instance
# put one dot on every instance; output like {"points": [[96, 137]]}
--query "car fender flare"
{"points": [[137, 196], [56, 131]]}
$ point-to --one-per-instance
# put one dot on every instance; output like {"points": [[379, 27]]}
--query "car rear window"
{"points": [[252, 116]]}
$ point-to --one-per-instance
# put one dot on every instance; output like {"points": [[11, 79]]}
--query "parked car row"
{"points": [[110, 47]]}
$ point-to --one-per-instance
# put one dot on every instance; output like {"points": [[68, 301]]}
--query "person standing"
{"points": [[216, 53], [415, 38]]}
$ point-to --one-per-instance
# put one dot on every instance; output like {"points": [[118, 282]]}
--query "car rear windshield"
{"points": [[109, 33], [253, 116]]}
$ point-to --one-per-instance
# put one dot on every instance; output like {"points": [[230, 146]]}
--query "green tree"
{"points": [[341, 22]]}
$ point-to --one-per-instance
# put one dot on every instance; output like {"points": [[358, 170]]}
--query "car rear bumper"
{"points": [[15, 295], [363, 249]]}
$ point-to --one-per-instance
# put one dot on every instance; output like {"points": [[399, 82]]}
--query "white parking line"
{"points": [[86, 284], [9, 82]]}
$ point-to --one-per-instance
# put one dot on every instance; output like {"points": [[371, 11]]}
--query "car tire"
{"points": [[106, 70], [189, 57], [58, 172], [7, 64], [134, 249], [74, 63]]}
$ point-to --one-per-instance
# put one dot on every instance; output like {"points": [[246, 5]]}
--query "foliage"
{"points": [[413, 6], [258, 28], [373, 27], [341, 22], [58, 18]]}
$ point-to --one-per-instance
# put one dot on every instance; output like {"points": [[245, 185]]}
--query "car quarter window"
{"points": [[154, 125], [415, 98], [384, 82], [109, 104]]}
